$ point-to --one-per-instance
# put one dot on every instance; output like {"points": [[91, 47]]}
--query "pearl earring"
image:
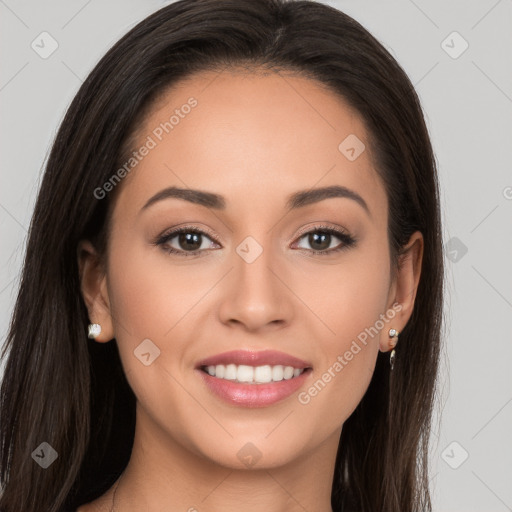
{"points": [[94, 330], [393, 333]]}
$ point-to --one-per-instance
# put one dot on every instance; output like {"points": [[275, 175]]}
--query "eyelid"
{"points": [[342, 234], [164, 238], [188, 227], [191, 227], [319, 227], [337, 231]]}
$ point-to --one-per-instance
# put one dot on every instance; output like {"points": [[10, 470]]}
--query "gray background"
{"points": [[467, 100]]}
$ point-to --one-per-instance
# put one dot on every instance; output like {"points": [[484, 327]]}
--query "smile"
{"points": [[253, 375], [249, 378]]}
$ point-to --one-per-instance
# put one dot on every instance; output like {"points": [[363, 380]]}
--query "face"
{"points": [[267, 268]]}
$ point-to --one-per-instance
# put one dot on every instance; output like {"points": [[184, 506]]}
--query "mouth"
{"points": [[253, 379], [244, 374]]}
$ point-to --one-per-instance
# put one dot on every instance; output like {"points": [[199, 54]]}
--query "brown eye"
{"points": [[186, 242], [322, 240], [189, 241], [319, 241]]}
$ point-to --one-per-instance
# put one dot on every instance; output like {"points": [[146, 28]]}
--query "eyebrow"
{"points": [[296, 200]]}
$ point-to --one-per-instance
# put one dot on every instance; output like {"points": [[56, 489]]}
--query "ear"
{"points": [[93, 283], [403, 289]]}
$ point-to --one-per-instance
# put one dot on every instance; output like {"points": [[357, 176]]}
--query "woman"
{"points": [[232, 290]]}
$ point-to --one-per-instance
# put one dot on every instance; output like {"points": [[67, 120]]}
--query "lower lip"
{"points": [[253, 395]]}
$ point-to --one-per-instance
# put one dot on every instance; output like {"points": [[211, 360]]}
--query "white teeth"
{"points": [[277, 373], [220, 370], [230, 373], [245, 373], [263, 374], [254, 374], [288, 372]]}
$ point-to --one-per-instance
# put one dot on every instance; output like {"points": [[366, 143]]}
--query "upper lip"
{"points": [[252, 358]]}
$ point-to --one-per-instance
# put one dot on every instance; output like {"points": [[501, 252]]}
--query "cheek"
{"points": [[352, 299], [154, 299], [350, 295], [151, 293]]}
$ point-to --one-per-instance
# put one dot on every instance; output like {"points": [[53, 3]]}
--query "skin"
{"points": [[255, 139]]}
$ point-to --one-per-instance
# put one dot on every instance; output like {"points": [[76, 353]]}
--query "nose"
{"points": [[255, 296]]}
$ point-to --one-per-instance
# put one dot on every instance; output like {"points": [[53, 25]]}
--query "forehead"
{"points": [[253, 138]]}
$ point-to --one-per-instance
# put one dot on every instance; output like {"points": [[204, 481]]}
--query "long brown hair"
{"points": [[62, 389]]}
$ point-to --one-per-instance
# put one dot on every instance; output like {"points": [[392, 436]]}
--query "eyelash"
{"points": [[346, 239]]}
